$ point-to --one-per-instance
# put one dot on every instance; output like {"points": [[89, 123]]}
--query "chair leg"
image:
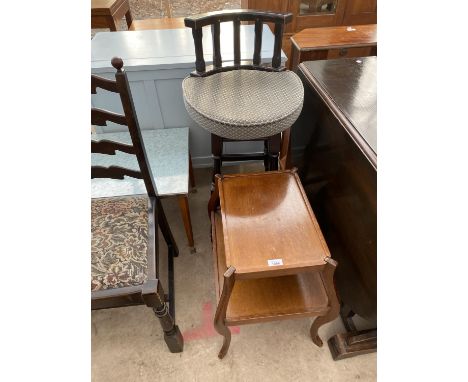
{"points": [[334, 310], [191, 175], [153, 296], [220, 316], [170, 273], [165, 229], [184, 209]]}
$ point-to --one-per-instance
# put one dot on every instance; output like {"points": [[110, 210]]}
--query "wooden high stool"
{"points": [[243, 100], [271, 260]]}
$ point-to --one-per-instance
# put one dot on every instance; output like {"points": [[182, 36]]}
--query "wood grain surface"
{"points": [[267, 216]]}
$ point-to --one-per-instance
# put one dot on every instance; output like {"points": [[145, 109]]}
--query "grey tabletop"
{"points": [[168, 157], [349, 86], [172, 48]]}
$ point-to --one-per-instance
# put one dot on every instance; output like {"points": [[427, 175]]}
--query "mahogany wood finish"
{"points": [[333, 42], [108, 13], [236, 16], [347, 12], [339, 173], [249, 290], [150, 292], [272, 144], [270, 155]]}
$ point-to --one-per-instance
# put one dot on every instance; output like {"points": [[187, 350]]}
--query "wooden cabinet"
{"points": [[332, 42], [318, 13]]}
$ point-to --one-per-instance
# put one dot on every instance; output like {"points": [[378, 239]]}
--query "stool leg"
{"points": [[285, 152], [266, 161], [220, 316], [274, 144], [217, 152], [184, 209]]}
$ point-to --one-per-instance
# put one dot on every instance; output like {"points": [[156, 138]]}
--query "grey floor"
{"points": [[127, 343]]}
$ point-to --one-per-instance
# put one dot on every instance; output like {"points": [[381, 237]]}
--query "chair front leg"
{"points": [[153, 296], [165, 229]]}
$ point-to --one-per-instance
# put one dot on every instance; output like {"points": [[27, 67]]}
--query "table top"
{"points": [[269, 227], [335, 37], [167, 151], [349, 88], [172, 48]]}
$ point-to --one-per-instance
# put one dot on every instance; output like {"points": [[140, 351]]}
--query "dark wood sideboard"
{"points": [[317, 13], [333, 42], [339, 173]]}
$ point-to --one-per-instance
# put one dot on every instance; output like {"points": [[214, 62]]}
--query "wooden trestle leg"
{"points": [[327, 277], [220, 316], [152, 295], [353, 342]]}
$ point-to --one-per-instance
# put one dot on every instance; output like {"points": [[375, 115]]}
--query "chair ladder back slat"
{"points": [[276, 60], [100, 117], [258, 42], [237, 54], [197, 34], [114, 172], [103, 83], [135, 133], [215, 32], [110, 147]]}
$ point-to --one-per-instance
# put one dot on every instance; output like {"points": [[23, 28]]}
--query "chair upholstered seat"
{"points": [[244, 104], [119, 242]]}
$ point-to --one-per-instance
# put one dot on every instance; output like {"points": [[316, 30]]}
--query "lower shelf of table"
{"points": [[271, 298]]}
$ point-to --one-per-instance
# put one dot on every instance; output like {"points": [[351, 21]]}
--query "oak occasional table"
{"points": [[108, 13], [271, 260], [339, 173], [333, 42]]}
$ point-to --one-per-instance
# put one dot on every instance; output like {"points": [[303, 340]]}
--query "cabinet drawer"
{"points": [[350, 52]]}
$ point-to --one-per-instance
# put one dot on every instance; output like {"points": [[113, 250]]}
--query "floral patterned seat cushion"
{"points": [[119, 242]]}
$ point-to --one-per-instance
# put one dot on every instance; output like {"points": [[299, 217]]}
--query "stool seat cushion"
{"points": [[244, 104], [119, 242]]}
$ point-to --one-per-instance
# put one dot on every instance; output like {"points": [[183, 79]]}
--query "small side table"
{"points": [[271, 260], [333, 42], [108, 13]]}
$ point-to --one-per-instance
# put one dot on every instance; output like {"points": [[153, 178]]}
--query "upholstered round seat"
{"points": [[244, 104]]}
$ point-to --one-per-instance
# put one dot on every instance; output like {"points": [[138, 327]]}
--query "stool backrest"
{"points": [[100, 117], [236, 16]]}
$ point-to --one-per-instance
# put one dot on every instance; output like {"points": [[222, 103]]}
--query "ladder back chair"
{"points": [[124, 243], [243, 99]]}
